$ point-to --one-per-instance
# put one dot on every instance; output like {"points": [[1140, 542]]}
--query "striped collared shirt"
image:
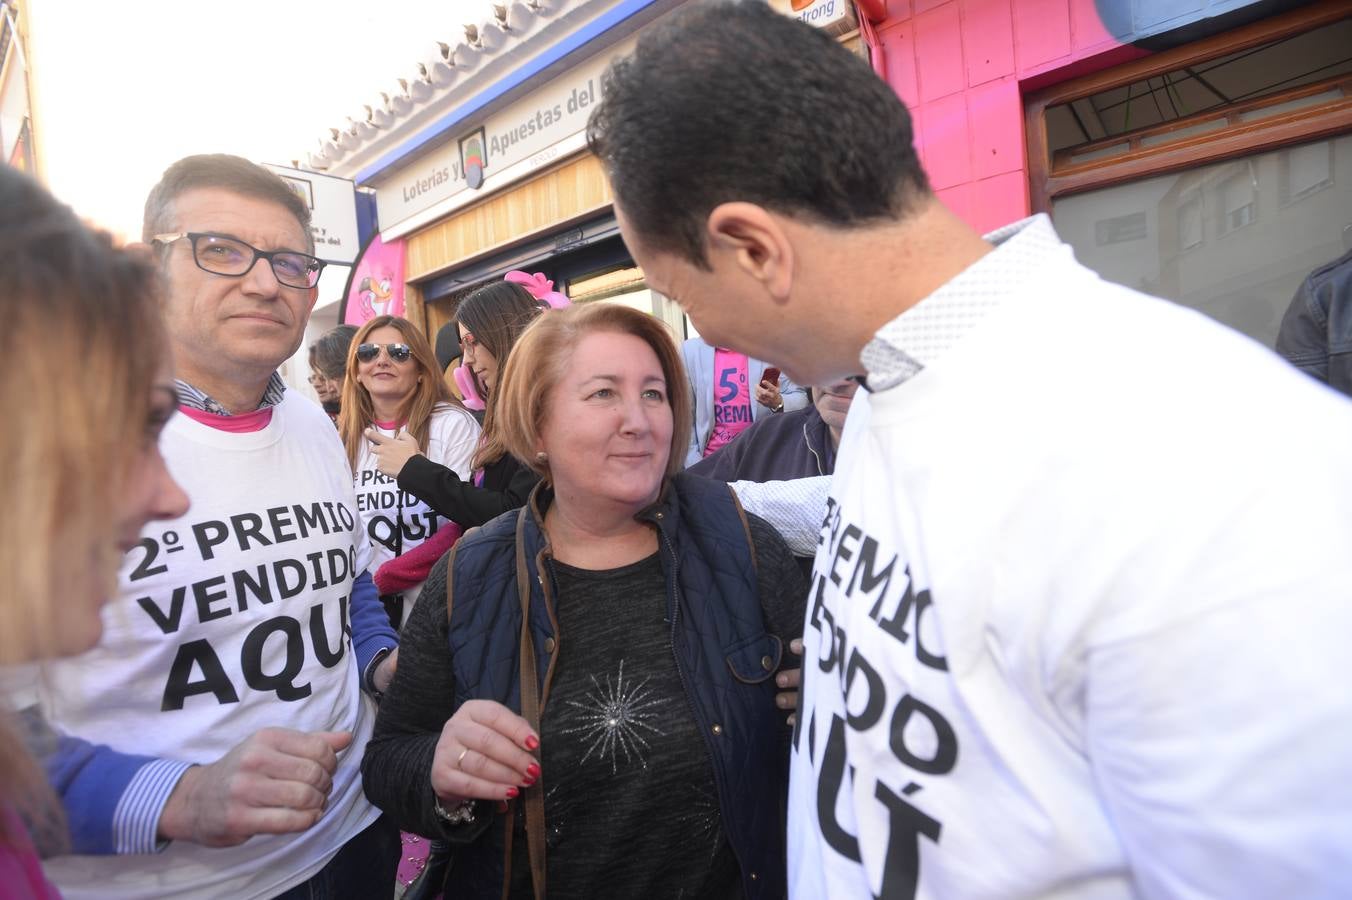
{"points": [[193, 398]]}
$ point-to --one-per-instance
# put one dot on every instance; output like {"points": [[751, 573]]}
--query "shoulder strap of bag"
{"points": [[534, 796], [746, 527]]}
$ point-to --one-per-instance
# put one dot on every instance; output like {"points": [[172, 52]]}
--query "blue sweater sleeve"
{"points": [[112, 800], [371, 629]]}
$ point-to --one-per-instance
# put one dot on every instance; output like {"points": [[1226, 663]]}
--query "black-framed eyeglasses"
{"points": [[400, 353], [221, 255]]}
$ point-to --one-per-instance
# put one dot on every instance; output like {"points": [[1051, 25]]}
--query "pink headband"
{"points": [[539, 287]]}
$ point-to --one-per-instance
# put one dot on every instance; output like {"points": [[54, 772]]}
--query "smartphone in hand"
{"points": [[771, 376]]}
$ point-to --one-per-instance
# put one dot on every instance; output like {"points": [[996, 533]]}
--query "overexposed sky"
{"points": [[121, 90]]}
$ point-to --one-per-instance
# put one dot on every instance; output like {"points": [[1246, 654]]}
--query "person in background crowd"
{"points": [[328, 362], [490, 320], [447, 346], [608, 650], [393, 387], [1079, 619], [82, 323], [226, 698], [325, 390], [1316, 332], [722, 406], [798, 444]]}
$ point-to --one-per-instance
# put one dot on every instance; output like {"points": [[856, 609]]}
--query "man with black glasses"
{"points": [[217, 732]]}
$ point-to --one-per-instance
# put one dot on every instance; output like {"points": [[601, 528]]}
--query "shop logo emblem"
{"points": [[474, 158]]}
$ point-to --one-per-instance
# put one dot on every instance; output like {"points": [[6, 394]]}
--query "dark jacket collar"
{"points": [[662, 513]]}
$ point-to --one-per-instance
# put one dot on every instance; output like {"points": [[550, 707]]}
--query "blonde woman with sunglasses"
{"points": [[394, 386]]}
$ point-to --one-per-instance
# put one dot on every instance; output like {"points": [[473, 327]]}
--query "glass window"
{"points": [[1192, 90], [1238, 198], [1307, 169], [1233, 239]]}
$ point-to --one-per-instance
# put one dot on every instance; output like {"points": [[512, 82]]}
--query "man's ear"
{"points": [[757, 244], [314, 297]]}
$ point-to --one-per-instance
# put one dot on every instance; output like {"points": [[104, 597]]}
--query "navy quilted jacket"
{"points": [[724, 653]]}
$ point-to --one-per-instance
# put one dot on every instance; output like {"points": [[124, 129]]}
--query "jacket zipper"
{"points": [[694, 713], [821, 470]]}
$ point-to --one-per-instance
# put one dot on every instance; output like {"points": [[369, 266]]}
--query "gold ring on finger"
{"points": [[461, 758]]}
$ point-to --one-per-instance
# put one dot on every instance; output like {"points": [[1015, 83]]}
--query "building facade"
{"points": [[1198, 150], [16, 111]]}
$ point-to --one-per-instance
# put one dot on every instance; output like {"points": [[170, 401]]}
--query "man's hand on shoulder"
{"points": [[277, 781]]}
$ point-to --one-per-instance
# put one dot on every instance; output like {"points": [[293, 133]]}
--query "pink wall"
{"points": [[959, 64]]}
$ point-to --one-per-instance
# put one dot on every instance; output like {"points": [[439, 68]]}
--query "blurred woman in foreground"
{"points": [[89, 390]]}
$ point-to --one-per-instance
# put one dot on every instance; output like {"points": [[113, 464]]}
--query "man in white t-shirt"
{"points": [[211, 745], [1080, 600]]}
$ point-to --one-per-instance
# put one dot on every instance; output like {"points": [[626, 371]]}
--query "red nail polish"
{"points": [[533, 770], [532, 742], [511, 793], [502, 806]]}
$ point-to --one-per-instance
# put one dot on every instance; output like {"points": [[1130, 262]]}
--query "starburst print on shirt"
{"points": [[700, 818], [615, 719]]}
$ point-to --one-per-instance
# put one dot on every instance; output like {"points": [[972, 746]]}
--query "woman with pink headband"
{"points": [[490, 320]]}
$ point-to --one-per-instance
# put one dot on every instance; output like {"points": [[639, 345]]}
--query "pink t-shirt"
{"points": [[732, 398]]}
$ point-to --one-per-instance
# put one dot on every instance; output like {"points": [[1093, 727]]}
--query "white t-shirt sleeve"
{"points": [[455, 436], [795, 508]]}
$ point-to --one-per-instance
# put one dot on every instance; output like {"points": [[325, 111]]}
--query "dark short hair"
{"points": [[330, 351], [447, 345], [224, 172], [732, 101]]}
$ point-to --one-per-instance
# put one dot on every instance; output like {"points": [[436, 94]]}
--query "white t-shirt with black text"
{"points": [[1080, 607], [231, 619], [396, 521]]}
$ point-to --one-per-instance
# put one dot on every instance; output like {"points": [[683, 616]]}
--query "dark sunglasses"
{"points": [[399, 353]]}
